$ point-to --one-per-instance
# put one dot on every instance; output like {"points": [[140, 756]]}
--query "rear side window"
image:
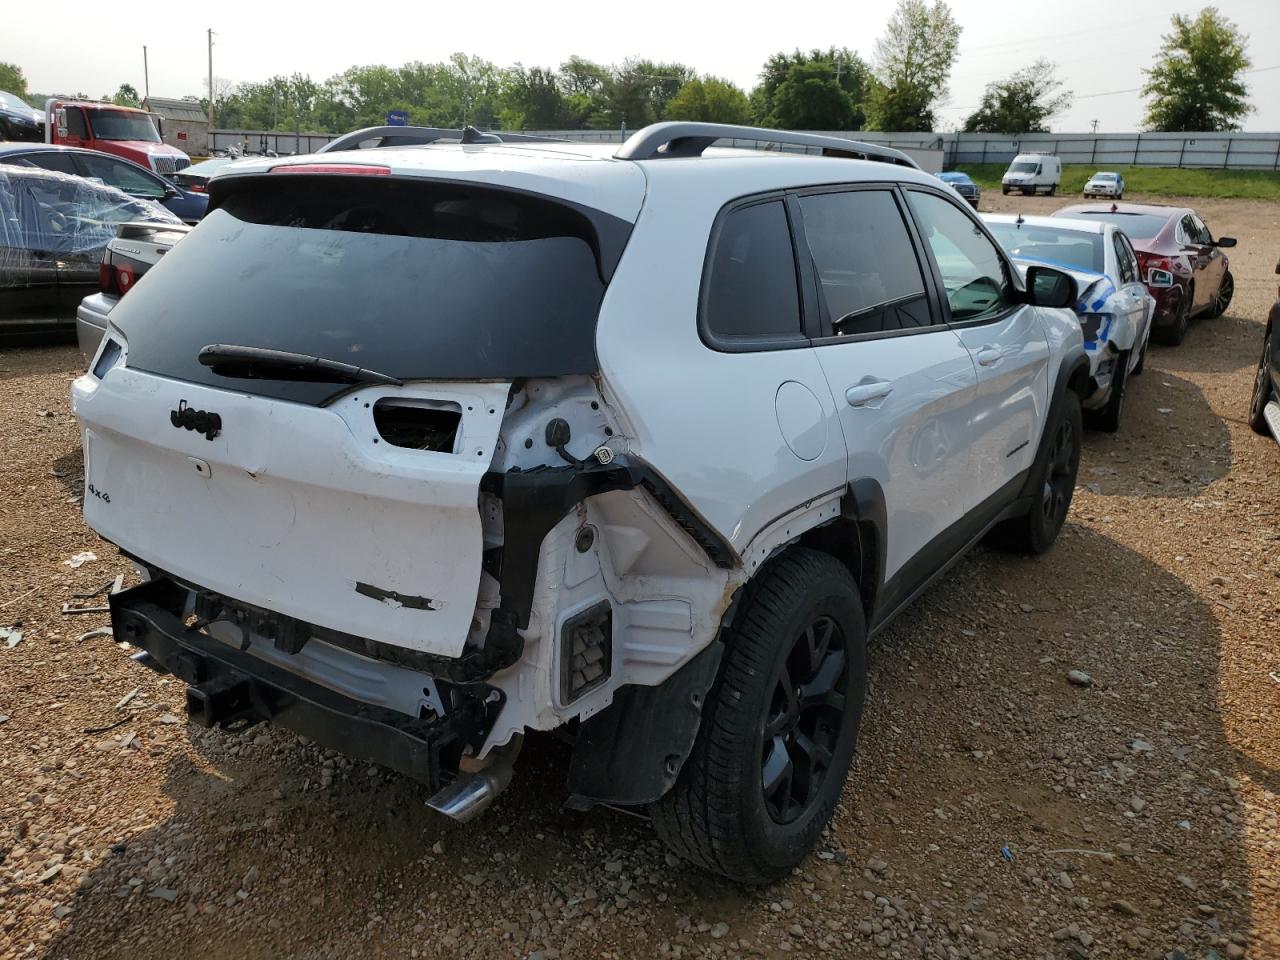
{"points": [[1125, 263], [866, 264], [751, 289], [50, 160], [419, 280]]}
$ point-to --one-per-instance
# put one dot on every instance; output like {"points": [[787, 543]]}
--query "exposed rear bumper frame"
{"points": [[226, 685]]}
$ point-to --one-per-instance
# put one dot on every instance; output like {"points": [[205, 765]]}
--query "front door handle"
{"points": [[990, 355], [861, 394]]}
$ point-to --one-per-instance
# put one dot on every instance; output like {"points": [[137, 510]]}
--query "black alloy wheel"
{"points": [[804, 720]]}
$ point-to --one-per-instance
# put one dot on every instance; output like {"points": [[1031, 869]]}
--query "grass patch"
{"points": [[1158, 181]]}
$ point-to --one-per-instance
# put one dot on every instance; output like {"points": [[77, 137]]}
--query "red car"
{"points": [[1182, 265]]}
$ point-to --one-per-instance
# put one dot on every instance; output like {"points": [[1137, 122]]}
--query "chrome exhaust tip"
{"points": [[471, 792]]}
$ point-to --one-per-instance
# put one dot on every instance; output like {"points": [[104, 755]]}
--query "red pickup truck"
{"points": [[124, 131]]}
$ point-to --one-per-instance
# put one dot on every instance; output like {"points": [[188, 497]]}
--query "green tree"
{"points": [[13, 80], [848, 71], [912, 62], [1195, 83], [710, 100], [1023, 102], [531, 99], [584, 85], [811, 99], [126, 96]]}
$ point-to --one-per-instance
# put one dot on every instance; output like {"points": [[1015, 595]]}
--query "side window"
{"points": [[974, 274], [1127, 269], [51, 160], [75, 123], [124, 176], [1188, 230], [751, 287], [866, 264], [1202, 234]]}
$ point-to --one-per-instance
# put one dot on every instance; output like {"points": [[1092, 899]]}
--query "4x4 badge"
{"points": [[210, 424]]}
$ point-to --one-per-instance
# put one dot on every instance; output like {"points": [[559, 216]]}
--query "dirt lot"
{"points": [[995, 810]]}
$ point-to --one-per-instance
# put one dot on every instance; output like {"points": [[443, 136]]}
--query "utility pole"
{"points": [[146, 75], [1094, 124], [210, 77]]}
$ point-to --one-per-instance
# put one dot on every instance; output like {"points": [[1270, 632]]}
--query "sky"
{"points": [[1100, 47]]}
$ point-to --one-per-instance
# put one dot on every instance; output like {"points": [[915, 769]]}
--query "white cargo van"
{"points": [[1032, 173]]}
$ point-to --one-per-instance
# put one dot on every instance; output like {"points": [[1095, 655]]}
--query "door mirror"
{"points": [[60, 120], [1159, 279], [1047, 287], [1225, 242]]}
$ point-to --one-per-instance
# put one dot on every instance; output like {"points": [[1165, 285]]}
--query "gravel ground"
{"points": [[995, 809]]}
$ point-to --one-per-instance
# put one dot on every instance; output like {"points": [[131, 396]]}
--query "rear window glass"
{"points": [[751, 290], [1141, 225], [1067, 248], [417, 280]]}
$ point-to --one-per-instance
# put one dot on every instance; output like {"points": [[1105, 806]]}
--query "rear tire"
{"points": [[1176, 332], [1222, 301], [1053, 190], [1261, 394], [779, 726], [1108, 418], [1052, 482]]}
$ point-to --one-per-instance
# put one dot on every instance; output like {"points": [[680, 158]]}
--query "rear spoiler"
{"points": [[141, 229]]}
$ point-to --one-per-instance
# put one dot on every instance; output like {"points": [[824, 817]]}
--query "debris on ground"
{"points": [[80, 559]]}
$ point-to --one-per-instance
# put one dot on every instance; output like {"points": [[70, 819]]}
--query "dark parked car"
{"points": [[962, 184], [53, 229], [1264, 408], [19, 120], [135, 249], [135, 180], [1182, 265]]}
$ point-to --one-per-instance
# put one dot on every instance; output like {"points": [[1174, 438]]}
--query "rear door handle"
{"points": [[861, 394], [990, 355]]}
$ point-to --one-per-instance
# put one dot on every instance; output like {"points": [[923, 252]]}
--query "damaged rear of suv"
{"points": [[421, 448]]}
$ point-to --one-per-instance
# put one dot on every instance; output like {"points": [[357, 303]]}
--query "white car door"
{"points": [[1132, 297], [1005, 337], [902, 381]]}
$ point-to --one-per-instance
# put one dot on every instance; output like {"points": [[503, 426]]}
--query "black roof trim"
{"points": [[412, 136], [687, 139]]}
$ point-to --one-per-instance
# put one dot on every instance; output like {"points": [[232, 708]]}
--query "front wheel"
{"points": [[1052, 483], [779, 725], [1226, 290], [1261, 395], [1053, 190]]}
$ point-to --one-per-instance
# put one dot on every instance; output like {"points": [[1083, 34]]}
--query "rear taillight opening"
{"points": [[418, 424], [115, 280]]}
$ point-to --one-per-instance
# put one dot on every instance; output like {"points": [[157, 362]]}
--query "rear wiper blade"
{"points": [[260, 363]]}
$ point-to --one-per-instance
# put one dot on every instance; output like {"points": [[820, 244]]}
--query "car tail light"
{"points": [[350, 169], [116, 280], [198, 187]]}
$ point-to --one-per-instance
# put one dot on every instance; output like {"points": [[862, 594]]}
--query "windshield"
{"points": [[116, 125], [1104, 176], [1023, 166], [1139, 226], [1068, 248], [10, 102], [418, 280]]}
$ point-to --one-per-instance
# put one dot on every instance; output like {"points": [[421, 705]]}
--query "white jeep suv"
{"points": [[421, 447]]}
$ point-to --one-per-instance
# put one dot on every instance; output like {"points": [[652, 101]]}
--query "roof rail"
{"points": [[680, 139], [408, 136]]}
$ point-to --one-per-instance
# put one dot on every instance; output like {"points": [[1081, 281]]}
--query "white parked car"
{"points": [[453, 443], [1115, 308], [1031, 173], [1105, 184]]}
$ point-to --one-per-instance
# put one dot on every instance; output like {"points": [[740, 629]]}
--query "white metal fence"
{"points": [[1223, 151]]}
